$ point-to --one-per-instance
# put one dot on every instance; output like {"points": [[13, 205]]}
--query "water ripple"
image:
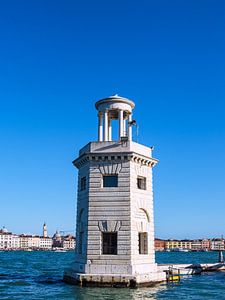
{"points": [[38, 276]]}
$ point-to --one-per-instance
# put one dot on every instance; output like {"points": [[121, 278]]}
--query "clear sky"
{"points": [[59, 57]]}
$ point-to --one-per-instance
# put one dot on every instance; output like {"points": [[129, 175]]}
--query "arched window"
{"points": [[142, 215]]}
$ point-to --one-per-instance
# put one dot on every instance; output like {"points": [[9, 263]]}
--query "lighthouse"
{"points": [[115, 219]]}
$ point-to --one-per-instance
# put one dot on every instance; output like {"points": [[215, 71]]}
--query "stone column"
{"points": [[110, 130], [120, 124], [130, 127], [100, 127], [106, 126], [124, 127]]}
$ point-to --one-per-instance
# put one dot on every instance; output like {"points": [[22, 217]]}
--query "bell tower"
{"points": [[115, 220], [45, 232]]}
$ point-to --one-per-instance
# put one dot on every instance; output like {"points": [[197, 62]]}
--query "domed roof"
{"points": [[57, 234], [4, 230], [114, 99]]}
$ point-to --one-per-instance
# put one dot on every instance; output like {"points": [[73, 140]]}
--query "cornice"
{"points": [[114, 157]]}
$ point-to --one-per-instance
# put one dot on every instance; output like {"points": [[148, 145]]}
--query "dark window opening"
{"points": [[109, 243], [110, 181], [141, 183], [143, 242], [83, 183]]}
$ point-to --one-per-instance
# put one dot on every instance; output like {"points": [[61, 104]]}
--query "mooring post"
{"points": [[221, 259]]}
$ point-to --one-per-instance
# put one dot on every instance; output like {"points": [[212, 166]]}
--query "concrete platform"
{"points": [[113, 280], [134, 281]]}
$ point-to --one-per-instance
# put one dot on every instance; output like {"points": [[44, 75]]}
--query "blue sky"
{"points": [[59, 57]]}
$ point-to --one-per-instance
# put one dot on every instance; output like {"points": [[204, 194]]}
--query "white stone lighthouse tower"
{"points": [[115, 221]]}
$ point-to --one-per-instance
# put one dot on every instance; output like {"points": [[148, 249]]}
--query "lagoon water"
{"points": [[38, 275]]}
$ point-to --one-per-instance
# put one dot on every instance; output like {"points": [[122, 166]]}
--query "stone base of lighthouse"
{"points": [[118, 279]]}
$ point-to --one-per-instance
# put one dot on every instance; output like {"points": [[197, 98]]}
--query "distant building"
{"points": [[217, 244], [45, 243], [15, 242], [25, 241], [193, 245], [160, 245], [178, 244], [196, 245], [185, 244], [205, 244], [68, 242], [35, 242], [171, 244], [57, 240], [8, 241]]}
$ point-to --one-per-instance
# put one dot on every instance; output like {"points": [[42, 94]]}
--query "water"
{"points": [[38, 275]]}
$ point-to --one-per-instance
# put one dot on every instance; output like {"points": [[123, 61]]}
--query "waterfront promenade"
{"points": [[210, 244], [29, 242]]}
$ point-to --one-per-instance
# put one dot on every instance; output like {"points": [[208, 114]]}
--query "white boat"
{"points": [[181, 250], [181, 270], [59, 250], [190, 271]]}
